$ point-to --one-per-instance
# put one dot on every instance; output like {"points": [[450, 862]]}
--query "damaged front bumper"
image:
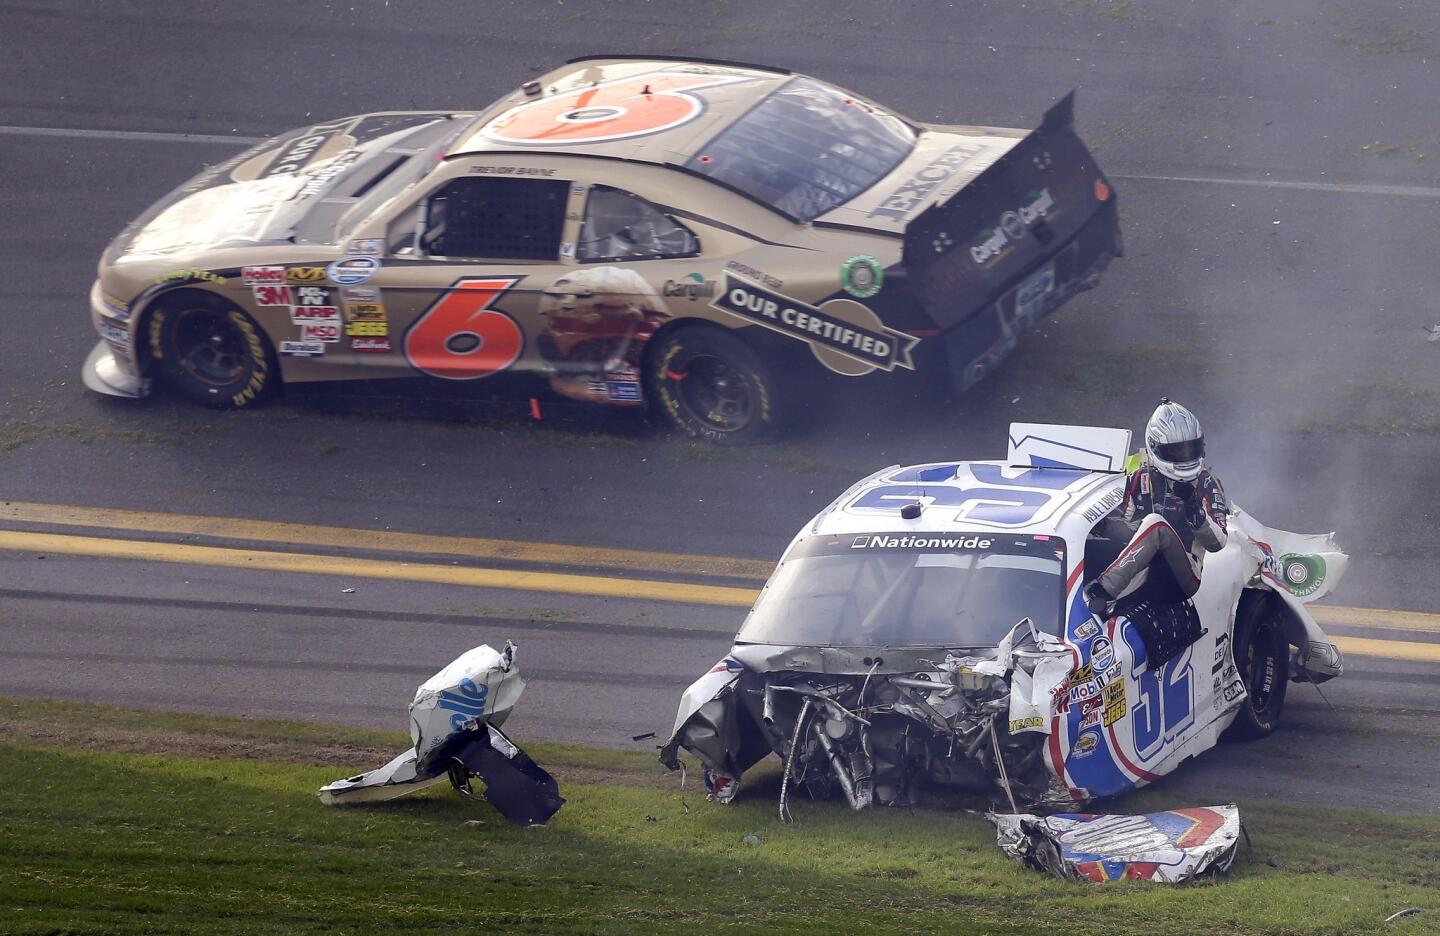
{"points": [[876, 727]]}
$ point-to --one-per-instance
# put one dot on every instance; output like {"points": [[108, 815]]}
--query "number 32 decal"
{"points": [[460, 337]]}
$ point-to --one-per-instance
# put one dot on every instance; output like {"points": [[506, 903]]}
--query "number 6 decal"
{"points": [[460, 337], [612, 110]]}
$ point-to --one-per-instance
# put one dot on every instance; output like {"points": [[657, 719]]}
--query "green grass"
{"points": [[228, 837]]}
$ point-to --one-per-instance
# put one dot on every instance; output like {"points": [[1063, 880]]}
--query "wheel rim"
{"points": [[209, 347], [715, 394], [1262, 669]]}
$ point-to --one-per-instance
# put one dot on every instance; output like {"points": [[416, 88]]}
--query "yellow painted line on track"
{"points": [[1376, 618], [296, 534], [300, 534], [311, 564], [1408, 650]]}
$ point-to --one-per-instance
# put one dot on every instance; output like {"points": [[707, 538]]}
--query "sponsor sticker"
{"points": [[365, 247], [872, 346], [192, 273], [1115, 707], [303, 275], [862, 276], [622, 391], [881, 541], [692, 287], [328, 332], [1030, 296], [296, 153], [993, 244], [372, 329], [315, 180], [370, 345], [1102, 653], [1302, 574], [302, 315], [754, 274], [273, 295], [262, 275], [1018, 725], [312, 296], [117, 336], [1085, 744], [1086, 629], [351, 271], [916, 190], [302, 348]]}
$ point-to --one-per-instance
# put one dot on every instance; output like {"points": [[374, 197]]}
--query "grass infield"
{"points": [[119, 821]]}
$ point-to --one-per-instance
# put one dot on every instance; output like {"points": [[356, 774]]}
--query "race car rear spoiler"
{"points": [[1006, 250]]}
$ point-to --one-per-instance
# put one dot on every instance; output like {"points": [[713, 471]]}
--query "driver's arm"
{"points": [[1211, 530]]}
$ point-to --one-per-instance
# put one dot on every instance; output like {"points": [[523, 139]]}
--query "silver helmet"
{"points": [[1175, 442]]}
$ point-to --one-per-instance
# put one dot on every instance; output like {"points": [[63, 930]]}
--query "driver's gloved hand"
{"points": [[1098, 600]]}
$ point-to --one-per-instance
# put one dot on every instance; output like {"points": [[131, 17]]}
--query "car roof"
{"points": [[974, 496], [733, 90]]}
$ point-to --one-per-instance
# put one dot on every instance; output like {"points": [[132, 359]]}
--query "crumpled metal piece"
{"points": [[1169, 847], [454, 723]]}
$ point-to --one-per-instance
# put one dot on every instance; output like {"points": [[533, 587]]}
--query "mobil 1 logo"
{"points": [[844, 335]]}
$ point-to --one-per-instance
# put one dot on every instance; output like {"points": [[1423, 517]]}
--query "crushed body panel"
{"points": [[1169, 847], [454, 723]]}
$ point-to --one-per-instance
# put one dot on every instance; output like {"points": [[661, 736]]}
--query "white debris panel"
{"points": [[1170, 847]]}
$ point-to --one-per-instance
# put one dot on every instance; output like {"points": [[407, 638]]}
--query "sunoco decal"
{"points": [[844, 335], [862, 276]]}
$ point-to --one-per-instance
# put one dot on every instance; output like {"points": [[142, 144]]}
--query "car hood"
{"points": [[942, 163], [294, 187]]}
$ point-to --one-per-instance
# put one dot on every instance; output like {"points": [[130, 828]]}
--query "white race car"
{"points": [[927, 629]]}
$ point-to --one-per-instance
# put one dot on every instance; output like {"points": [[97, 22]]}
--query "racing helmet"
{"points": [[1175, 442]]}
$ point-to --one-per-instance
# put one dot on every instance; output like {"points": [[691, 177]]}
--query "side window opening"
{"points": [[503, 219], [622, 226]]}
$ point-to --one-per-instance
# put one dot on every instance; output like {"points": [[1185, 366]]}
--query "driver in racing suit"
{"points": [[1175, 507]]}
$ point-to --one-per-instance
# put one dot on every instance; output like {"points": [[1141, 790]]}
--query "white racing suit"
{"points": [[1176, 522]]}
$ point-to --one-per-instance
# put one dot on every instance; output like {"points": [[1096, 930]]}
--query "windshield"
{"points": [[805, 149], [910, 590]]}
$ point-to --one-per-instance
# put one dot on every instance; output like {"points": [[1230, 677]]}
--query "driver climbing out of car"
{"points": [[1174, 511]]}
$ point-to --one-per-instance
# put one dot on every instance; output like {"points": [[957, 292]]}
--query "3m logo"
{"points": [[273, 296], [614, 110]]}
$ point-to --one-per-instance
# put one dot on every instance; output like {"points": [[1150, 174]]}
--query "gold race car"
{"points": [[691, 235]]}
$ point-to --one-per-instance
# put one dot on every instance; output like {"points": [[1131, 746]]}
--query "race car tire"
{"points": [[711, 385], [1262, 661], [209, 350]]}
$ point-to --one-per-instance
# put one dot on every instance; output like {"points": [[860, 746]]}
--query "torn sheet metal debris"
{"points": [[455, 721], [1170, 847]]}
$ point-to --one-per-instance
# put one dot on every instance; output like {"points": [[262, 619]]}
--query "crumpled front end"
{"points": [[879, 732]]}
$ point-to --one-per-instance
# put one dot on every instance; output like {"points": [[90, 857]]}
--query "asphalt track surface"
{"points": [[1277, 169]]}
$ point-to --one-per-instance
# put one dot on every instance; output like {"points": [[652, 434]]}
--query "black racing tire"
{"points": [[209, 350], [1262, 661], [711, 385]]}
